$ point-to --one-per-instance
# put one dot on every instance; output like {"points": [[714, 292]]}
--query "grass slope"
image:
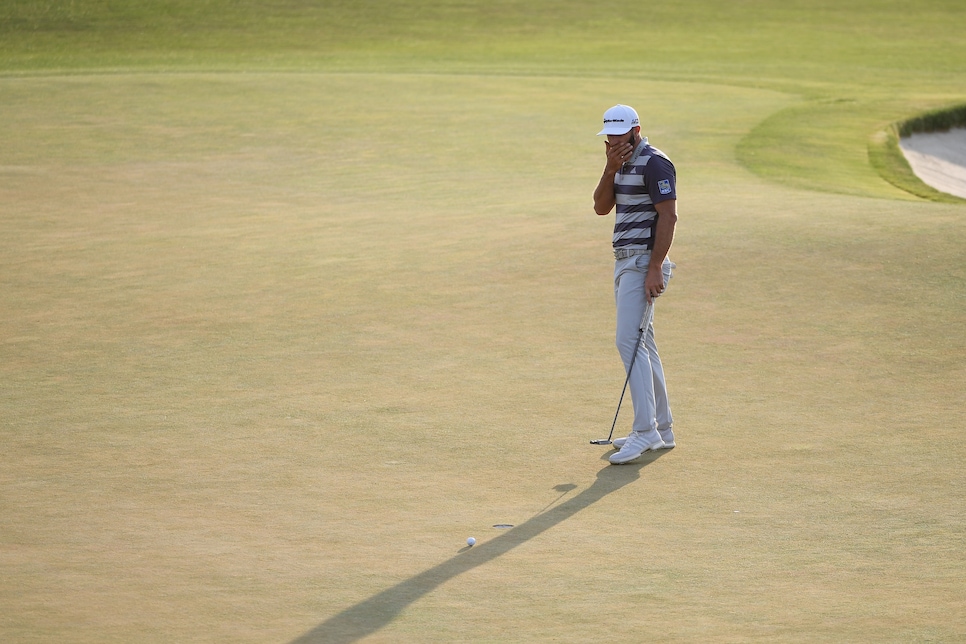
{"points": [[281, 334], [859, 67]]}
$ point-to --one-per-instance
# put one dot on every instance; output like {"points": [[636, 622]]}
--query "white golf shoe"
{"points": [[667, 435], [635, 444]]}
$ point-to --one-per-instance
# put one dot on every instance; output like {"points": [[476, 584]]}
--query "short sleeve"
{"points": [[660, 179]]}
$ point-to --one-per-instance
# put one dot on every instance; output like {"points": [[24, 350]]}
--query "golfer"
{"points": [[640, 181]]}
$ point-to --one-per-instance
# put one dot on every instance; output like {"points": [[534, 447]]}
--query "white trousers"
{"points": [[647, 386]]}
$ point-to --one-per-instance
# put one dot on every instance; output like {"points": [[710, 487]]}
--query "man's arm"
{"points": [[604, 196], [667, 218]]}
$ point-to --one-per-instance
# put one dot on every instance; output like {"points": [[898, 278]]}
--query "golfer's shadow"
{"points": [[374, 613]]}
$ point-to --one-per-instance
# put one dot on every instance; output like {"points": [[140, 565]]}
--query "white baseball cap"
{"points": [[619, 120]]}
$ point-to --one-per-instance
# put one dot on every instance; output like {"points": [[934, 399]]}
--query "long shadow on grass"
{"points": [[367, 617]]}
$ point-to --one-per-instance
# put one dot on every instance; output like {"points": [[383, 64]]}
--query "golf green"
{"points": [[297, 299]]}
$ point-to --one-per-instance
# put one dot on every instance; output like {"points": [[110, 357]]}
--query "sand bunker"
{"points": [[939, 159]]}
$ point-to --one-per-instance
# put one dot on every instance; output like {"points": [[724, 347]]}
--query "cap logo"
{"points": [[619, 119]]}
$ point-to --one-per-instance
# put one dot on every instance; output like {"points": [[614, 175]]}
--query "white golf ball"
{"points": [[471, 541]]}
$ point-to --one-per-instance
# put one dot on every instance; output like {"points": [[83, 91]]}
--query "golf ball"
{"points": [[471, 541]]}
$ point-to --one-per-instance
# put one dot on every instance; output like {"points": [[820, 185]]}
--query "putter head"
{"points": [[601, 441]]}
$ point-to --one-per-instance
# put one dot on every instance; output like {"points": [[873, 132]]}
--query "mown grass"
{"points": [[299, 296], [858, 67]]}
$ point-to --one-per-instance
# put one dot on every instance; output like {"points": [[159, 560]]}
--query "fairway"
{"points": [[286, 322]]}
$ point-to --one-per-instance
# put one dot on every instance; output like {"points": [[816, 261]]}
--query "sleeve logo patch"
{"points": [[664, 186]]}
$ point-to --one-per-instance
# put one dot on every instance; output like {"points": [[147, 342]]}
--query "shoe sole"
{"points": [[670, 445], [650, 448]]}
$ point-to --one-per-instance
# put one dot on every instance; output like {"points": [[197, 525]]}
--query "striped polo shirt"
{"points": [[648, 178]]}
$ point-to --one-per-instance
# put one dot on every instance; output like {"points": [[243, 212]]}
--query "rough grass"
{"points": [[936, 121]]}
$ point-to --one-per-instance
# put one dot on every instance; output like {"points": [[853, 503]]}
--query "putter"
{"points": [[637, 348]]}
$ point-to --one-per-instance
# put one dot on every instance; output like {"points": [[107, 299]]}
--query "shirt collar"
{"points": [[638, 150]]}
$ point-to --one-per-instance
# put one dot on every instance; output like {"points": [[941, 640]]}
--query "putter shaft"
{"points": [[640, 338]]}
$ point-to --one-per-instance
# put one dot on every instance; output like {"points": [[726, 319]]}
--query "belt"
{"points": [[624, 253]]}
